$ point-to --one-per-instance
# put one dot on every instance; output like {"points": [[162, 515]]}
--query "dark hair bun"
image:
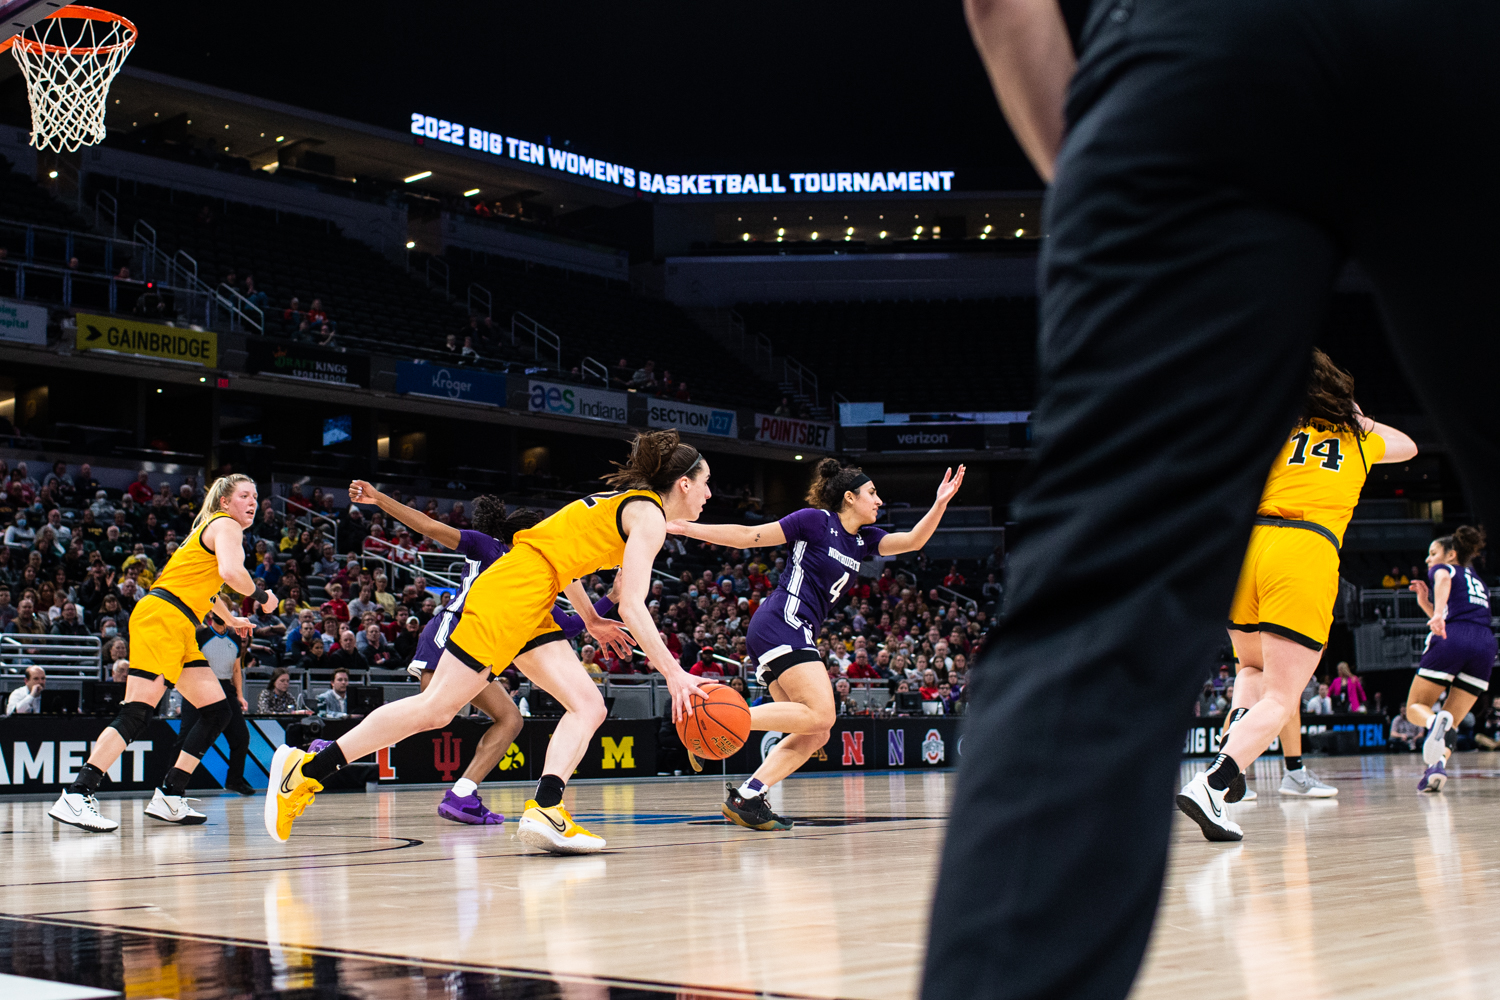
{"points": [[831, 480]]}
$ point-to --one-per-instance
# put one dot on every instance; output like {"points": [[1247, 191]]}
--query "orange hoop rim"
{"points": [[84, 13]]}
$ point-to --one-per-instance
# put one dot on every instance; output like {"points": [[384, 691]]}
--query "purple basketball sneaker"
{"points": [[1433, 779], [468, 809]]}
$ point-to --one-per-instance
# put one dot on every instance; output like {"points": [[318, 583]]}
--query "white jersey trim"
{"points": [[456, 606]]}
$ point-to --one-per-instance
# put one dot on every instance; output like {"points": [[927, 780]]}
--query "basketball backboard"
{"points": [[18, 15]]}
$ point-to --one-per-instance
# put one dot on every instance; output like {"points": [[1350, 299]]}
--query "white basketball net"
{"points": [[69, 63]]}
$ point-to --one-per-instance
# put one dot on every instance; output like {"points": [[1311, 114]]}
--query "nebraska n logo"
{"points": [[854, 748]]}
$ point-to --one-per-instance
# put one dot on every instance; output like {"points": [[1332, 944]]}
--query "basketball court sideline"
{"points": [[1370, 891]]}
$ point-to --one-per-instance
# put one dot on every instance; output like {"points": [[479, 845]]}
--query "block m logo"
{"points": [[618, 754]]}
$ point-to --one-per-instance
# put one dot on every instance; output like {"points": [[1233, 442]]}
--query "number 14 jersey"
{"points": [[823, 559], [1318, 475]]}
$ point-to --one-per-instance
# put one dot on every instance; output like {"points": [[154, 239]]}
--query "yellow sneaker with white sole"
{"points": [[552, 829], [288, 791]]}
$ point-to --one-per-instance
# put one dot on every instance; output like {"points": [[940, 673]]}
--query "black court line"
{"points": [[749, 838], [620, 987], [407, 842]]}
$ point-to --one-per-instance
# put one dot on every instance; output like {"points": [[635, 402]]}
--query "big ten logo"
{"points": [[445, 755], [1371, 734], [513, 760], [854, 749], [384, 769], [619, 798], [621, 754]]}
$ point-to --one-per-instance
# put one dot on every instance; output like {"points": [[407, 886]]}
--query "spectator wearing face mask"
{"points": [[19, 537]]}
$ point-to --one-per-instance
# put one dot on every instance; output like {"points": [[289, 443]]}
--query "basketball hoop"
{"points": [[69, 59]]}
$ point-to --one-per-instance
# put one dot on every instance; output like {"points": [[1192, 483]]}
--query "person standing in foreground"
{"points": [[1460, 652], [494, 531], [508, 618], [829, 540], [207, 571], [1213, 166], [1289, 580]]}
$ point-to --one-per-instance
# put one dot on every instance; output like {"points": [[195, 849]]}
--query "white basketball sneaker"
{"points": [[1250, 795], [1205, 806], [1304, 784], [174, 809], [1434, 745], [82, 811]]}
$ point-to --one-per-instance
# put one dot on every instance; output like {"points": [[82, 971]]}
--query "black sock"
{"points": [[549, 790], [1292, 763], [87, 781], [1221, 772], [324, 763], [175, 783], [1450, 738]]}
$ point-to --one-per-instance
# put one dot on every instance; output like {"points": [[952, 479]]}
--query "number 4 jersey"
{"points": [[823, 560], [1318, 475]]}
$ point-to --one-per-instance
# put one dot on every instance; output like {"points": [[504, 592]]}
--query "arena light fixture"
{"points": [[919, 230], [983, 236], [850, 230], [471, 192], [781, 232], [745, 237], [202, 378], [989, 229], [417, 177], [52, 174], [410, 244], [796, 458], [1020, 233], [882, 234], [281, 138], [815, 234]]}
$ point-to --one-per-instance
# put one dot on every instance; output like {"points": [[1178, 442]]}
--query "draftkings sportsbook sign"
{"points": [[147, 340]]}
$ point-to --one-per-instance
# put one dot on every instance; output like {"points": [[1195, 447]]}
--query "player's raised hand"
{"points": [[610, 634], [947, 488]]}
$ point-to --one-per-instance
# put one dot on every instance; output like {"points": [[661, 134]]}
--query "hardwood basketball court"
{"points": [[1378, 892]]}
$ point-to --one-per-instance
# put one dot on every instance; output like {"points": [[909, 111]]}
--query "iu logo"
{"points": [[445, 755], [854, 749], [932, 747]]}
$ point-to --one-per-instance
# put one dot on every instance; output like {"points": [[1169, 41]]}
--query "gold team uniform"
{"points": [[164, 627], [509, 607], [1290, 578]]}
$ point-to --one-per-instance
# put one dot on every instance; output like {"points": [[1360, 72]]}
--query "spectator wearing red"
{"points": [[706, 666], [316, 317], [140, 491], [954, 577], [456, 517], [862, 668], [335, 605], [929, 688]]}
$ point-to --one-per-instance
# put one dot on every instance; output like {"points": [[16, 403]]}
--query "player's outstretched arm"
{"points": [[735, 536], [910, 541], [444, 534], [645, 531], [1399, 447], [1029, 58]]}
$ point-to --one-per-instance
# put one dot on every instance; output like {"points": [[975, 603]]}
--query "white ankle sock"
{"points": [[463, 788], [751, 788]]}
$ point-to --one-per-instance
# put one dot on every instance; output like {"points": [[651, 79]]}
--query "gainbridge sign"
{"points": [[147, 340]]}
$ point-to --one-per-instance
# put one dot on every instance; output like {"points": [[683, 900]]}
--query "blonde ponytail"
{"points": [[213, 500]]}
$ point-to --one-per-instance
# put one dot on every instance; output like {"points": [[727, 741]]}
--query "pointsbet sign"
{"points": [[511, 147], [147, 340]]}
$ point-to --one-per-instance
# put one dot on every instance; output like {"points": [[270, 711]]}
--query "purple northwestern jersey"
{"points": [[824, 561], [1468, 597], [479, 551]]}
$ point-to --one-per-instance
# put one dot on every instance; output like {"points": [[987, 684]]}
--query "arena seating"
{"points": [[23, 200], [603, 320], [976, 355]]}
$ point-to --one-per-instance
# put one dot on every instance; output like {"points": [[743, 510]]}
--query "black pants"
{"points": [[236, 733], [1224, 158]]}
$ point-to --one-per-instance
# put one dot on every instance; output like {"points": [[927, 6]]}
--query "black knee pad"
{"points": [[133, 719], [211, 722]]}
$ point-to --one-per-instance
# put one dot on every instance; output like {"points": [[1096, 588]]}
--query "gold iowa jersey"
{"points": [[192, 574], [585, 536], [1318, 475]]}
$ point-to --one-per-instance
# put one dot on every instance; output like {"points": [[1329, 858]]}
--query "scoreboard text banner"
{"points": [[148, 340]]}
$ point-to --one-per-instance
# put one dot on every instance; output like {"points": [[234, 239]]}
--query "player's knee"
{"points": [[821, 736], [593, 711], [823, 717], [431, 714], [211, 722], [133, 719]]}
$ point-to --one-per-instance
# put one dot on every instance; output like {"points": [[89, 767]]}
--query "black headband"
{"points": [[859, 481]]}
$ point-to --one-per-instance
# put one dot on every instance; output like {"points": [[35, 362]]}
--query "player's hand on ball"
{"points": [[612, 635], [682, 685]]}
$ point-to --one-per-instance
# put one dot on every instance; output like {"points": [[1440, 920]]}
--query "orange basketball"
{"points": [[719, 725]]}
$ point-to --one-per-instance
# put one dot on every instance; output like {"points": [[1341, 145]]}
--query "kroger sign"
{"points": [[417, 379]]}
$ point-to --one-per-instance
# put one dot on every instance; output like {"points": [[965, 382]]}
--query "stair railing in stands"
{"points": [[592, 368], [799, 377], [253, 315], [106, 208], [179, 274], [480, 295], [541, 337], [305, 518]]}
